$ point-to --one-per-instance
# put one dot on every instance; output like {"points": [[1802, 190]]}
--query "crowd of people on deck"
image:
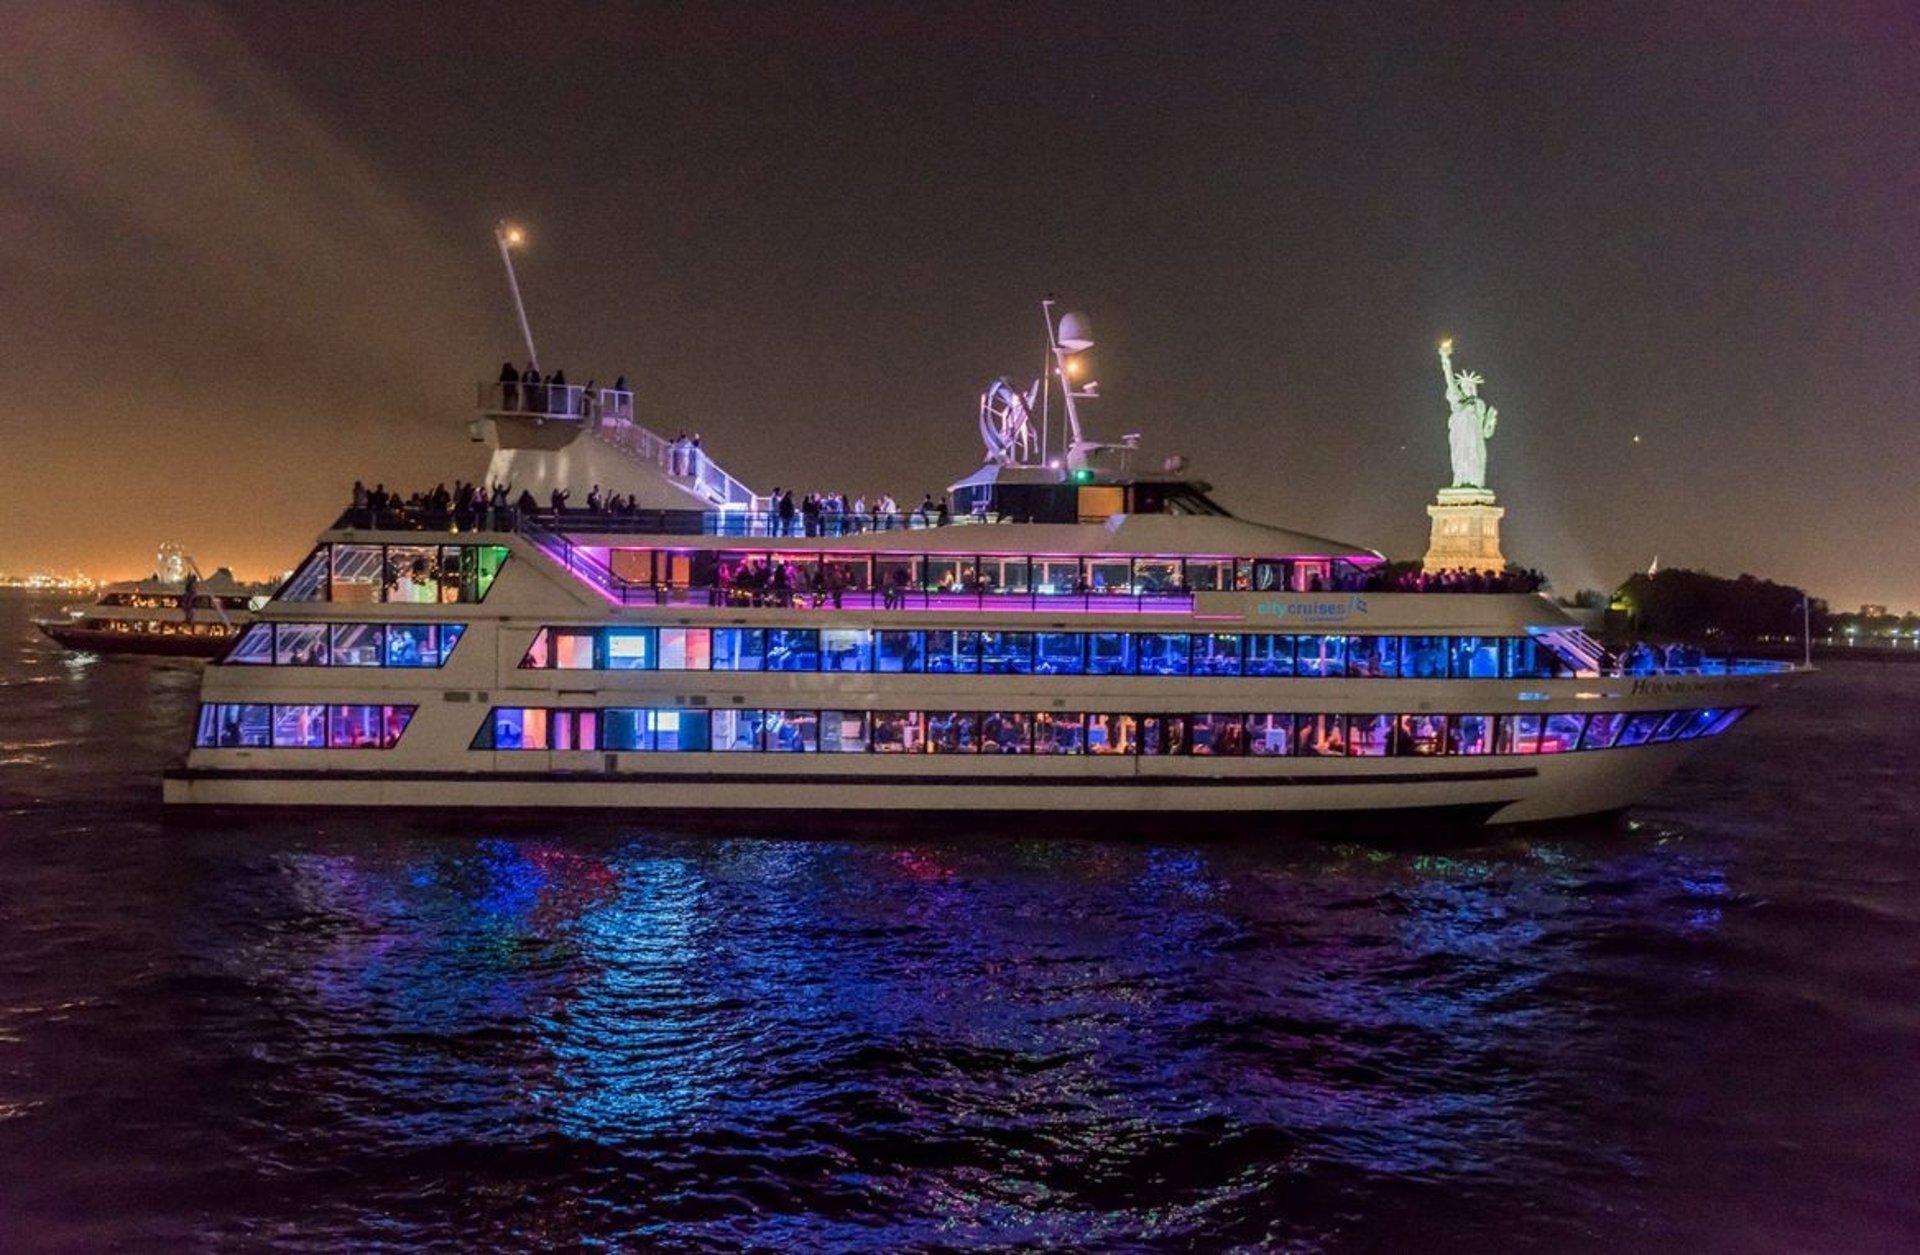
{"points": [[1515, 579], [525, 391], [831, 514]]}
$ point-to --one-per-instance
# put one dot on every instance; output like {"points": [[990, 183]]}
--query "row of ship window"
{"points": [[1055, 732], [259, 725], [1041, 653], [421, 574], [346, 644]]}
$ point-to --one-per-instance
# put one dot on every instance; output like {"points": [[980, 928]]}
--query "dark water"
{"points": [[1701, 1032]]}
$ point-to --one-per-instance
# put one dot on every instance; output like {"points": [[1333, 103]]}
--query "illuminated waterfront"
{"points": [[359, 1031]]}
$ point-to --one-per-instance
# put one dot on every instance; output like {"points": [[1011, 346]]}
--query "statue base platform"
{"points": [[1466, 531]]}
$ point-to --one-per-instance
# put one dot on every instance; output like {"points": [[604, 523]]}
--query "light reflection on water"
{"points": [[354, 1031]]}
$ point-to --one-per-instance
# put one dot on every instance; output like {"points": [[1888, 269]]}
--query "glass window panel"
{"points": [[1163, 735], [632, 649], [469, 571], [539, 653], [1424, 658], [899, 651], [1670, 726], [944, 575], [1060, 653], [843, 731], [679, 730], [1109, 653], [1319, 736], [1476, 657], [1056, 732], [626, 729], [898, 732], [411, 574], [1470, 734], [412, 645], [1057, 577], [1322, 655], [1269, 735], [1163, 653], [1110, 734], [1206, 575], [357, 644], [1603, 730], [254, 648], [301, 645], [734, 649], [300, 727], [793, 731], [952, 731], [1157, 575], [1639, 728], [309, 583], [1216, 653], [1698, 723], [1561, 734], [1109, 575], [1268, 655], [1003, 732], [1368, 735], [1429, 735], [1517, 734], [1006, 653], [1526, 658], [236, 726], [1373, 656], [895, 577], [953, 651], [1268, 575], [846, 649], [575, 729], [573, 649], [1009, 575], [356, 573], [519, 728], [1217, 735], [738, 730]]}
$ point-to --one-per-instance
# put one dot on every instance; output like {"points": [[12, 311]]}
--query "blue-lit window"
{"points": [[1216, 653], [1603, 730], [1639, 728], [1269, 655], [1424, 658], [1669, 727], [1163, 653], [679, 730], [358, 644], [1322, 655], [422, 644], [1060, 653], [1373, 656], [846, 649], [736, 730], [309, 583], [793, 649], [1527, 659], [625, 728], [899, 651], [1726, 720], [244, 726], [1109, 653], [257, 725], [955, 652], [1476, 658], [739, 649], [1006, 653], [630, 649], [792, 731]]}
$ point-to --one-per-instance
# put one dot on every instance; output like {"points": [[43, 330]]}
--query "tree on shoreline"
{"points": [[1693, 605]]}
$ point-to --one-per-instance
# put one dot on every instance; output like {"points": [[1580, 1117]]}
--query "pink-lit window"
{"points": [[685, 649]]}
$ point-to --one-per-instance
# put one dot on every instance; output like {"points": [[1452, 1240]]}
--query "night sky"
{"points": [[246, 257]]}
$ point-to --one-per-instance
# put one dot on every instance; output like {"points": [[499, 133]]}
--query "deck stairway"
{"points": [[687, 466]]}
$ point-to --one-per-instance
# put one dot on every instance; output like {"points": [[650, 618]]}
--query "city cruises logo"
{"points": [[1314, 610]]}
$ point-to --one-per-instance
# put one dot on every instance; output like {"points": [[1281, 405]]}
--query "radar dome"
{"points": [[1076, 333]]}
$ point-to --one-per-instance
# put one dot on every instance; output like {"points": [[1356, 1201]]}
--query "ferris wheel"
{"points": [[1006, 423]]}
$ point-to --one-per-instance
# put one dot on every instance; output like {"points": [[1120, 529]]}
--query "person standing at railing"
{"points": [[693, 456], [535, 392], [786, 514], [559, 400], [509, 387]]}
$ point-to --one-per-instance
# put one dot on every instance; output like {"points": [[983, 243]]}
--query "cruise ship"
{"points": [[1071, 631], [173, 612]]}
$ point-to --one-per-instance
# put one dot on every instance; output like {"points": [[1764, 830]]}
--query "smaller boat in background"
{"points": [[175, 611]]}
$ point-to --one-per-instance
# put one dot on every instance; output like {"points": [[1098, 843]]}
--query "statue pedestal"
{"points": [[1466, 531]]}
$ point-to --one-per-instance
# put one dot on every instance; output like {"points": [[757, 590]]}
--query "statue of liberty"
{"points": [[1469, 424]]}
